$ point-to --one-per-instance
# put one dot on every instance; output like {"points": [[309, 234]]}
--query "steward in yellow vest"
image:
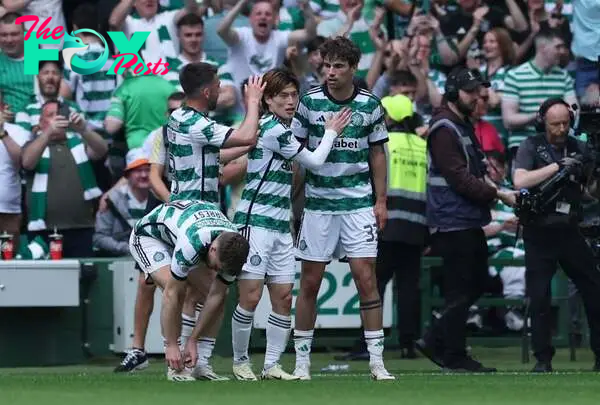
{"points": [[405, 235]]}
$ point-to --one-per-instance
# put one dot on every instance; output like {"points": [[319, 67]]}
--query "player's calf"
{"points": [[310, 282], [250, 292], [279, 322]]}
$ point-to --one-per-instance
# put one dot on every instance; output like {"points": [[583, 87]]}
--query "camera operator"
{"points": [[552, 236], [458, 206]]}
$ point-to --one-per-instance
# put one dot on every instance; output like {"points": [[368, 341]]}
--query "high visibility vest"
{"points": [[407, 180]]}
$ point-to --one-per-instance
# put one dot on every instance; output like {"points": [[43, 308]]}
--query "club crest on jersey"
{"points": [[356, 119], [158, 256], [255, 260], [302, 245]]}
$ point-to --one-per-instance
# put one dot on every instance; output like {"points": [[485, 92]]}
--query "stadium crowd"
{"points": [[84, 155]]}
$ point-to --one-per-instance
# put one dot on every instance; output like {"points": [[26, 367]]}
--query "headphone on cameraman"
{"points": [[540, 125]]}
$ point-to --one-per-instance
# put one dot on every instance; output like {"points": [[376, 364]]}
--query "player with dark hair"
{"points": [[345, 199], [263, 213], [187, 243]]}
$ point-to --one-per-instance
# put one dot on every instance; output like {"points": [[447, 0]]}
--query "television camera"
{"points": [[536, 201]]}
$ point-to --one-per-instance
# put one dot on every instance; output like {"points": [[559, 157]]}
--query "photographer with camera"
{"points": [[552, 166]]}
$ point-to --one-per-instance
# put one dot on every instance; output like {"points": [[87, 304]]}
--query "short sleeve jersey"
{"points": [[188, 227], [194, 144], [343, 183]]}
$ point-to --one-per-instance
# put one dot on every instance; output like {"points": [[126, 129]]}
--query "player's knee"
{"points": [[310, 286], [249, 301], [366, 284], [282, 302]]}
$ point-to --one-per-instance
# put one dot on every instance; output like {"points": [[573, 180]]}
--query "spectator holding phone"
{"points": [[61, 186]]}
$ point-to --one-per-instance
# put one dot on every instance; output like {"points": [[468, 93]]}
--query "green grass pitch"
{"points": [[418, 382]]}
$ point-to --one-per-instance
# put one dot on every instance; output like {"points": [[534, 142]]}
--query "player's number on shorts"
{"points": [[370, 230]]}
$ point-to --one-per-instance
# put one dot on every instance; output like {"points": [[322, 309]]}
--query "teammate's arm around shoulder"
{"points": [[213, 307], [247, 133], [334, 126]]}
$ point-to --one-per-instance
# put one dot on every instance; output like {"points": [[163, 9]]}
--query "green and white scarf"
{"points": [[38, 199]]}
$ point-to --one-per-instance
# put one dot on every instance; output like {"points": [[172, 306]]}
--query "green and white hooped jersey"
{"points": [[290, 19], [188, 227], [500, 214], [194, 144], [162, 41], [343, 184], [325, 8], [92, 92], [265, 202]]}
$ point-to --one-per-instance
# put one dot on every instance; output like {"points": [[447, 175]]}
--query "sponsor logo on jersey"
{"points": [[345, 143]]}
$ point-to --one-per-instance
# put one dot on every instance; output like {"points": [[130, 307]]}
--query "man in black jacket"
{"points": [[458, 206]]}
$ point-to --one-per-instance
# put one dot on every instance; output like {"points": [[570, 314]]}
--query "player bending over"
{"points": [[180, 244]]}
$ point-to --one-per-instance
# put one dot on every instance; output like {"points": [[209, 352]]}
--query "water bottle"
{"points": [[333, 368]]}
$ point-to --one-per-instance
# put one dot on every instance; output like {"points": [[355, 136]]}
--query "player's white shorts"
{"points": [[323, 235], [149, 253], [271, 256]]}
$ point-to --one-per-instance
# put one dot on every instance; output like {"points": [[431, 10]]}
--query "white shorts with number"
{"points": [[149, 253], [271, 256], [324, 235]]}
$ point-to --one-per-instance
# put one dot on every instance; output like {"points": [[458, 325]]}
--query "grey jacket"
{"points": [[111, 235]]}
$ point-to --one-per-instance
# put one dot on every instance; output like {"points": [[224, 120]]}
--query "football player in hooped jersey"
{"points": [[263, 215], [195, 140], [345, 199], [180, 244]]}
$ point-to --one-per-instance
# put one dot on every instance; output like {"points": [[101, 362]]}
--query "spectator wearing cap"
{"points": [[126, 205], [61, 186], [458, 206]]}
